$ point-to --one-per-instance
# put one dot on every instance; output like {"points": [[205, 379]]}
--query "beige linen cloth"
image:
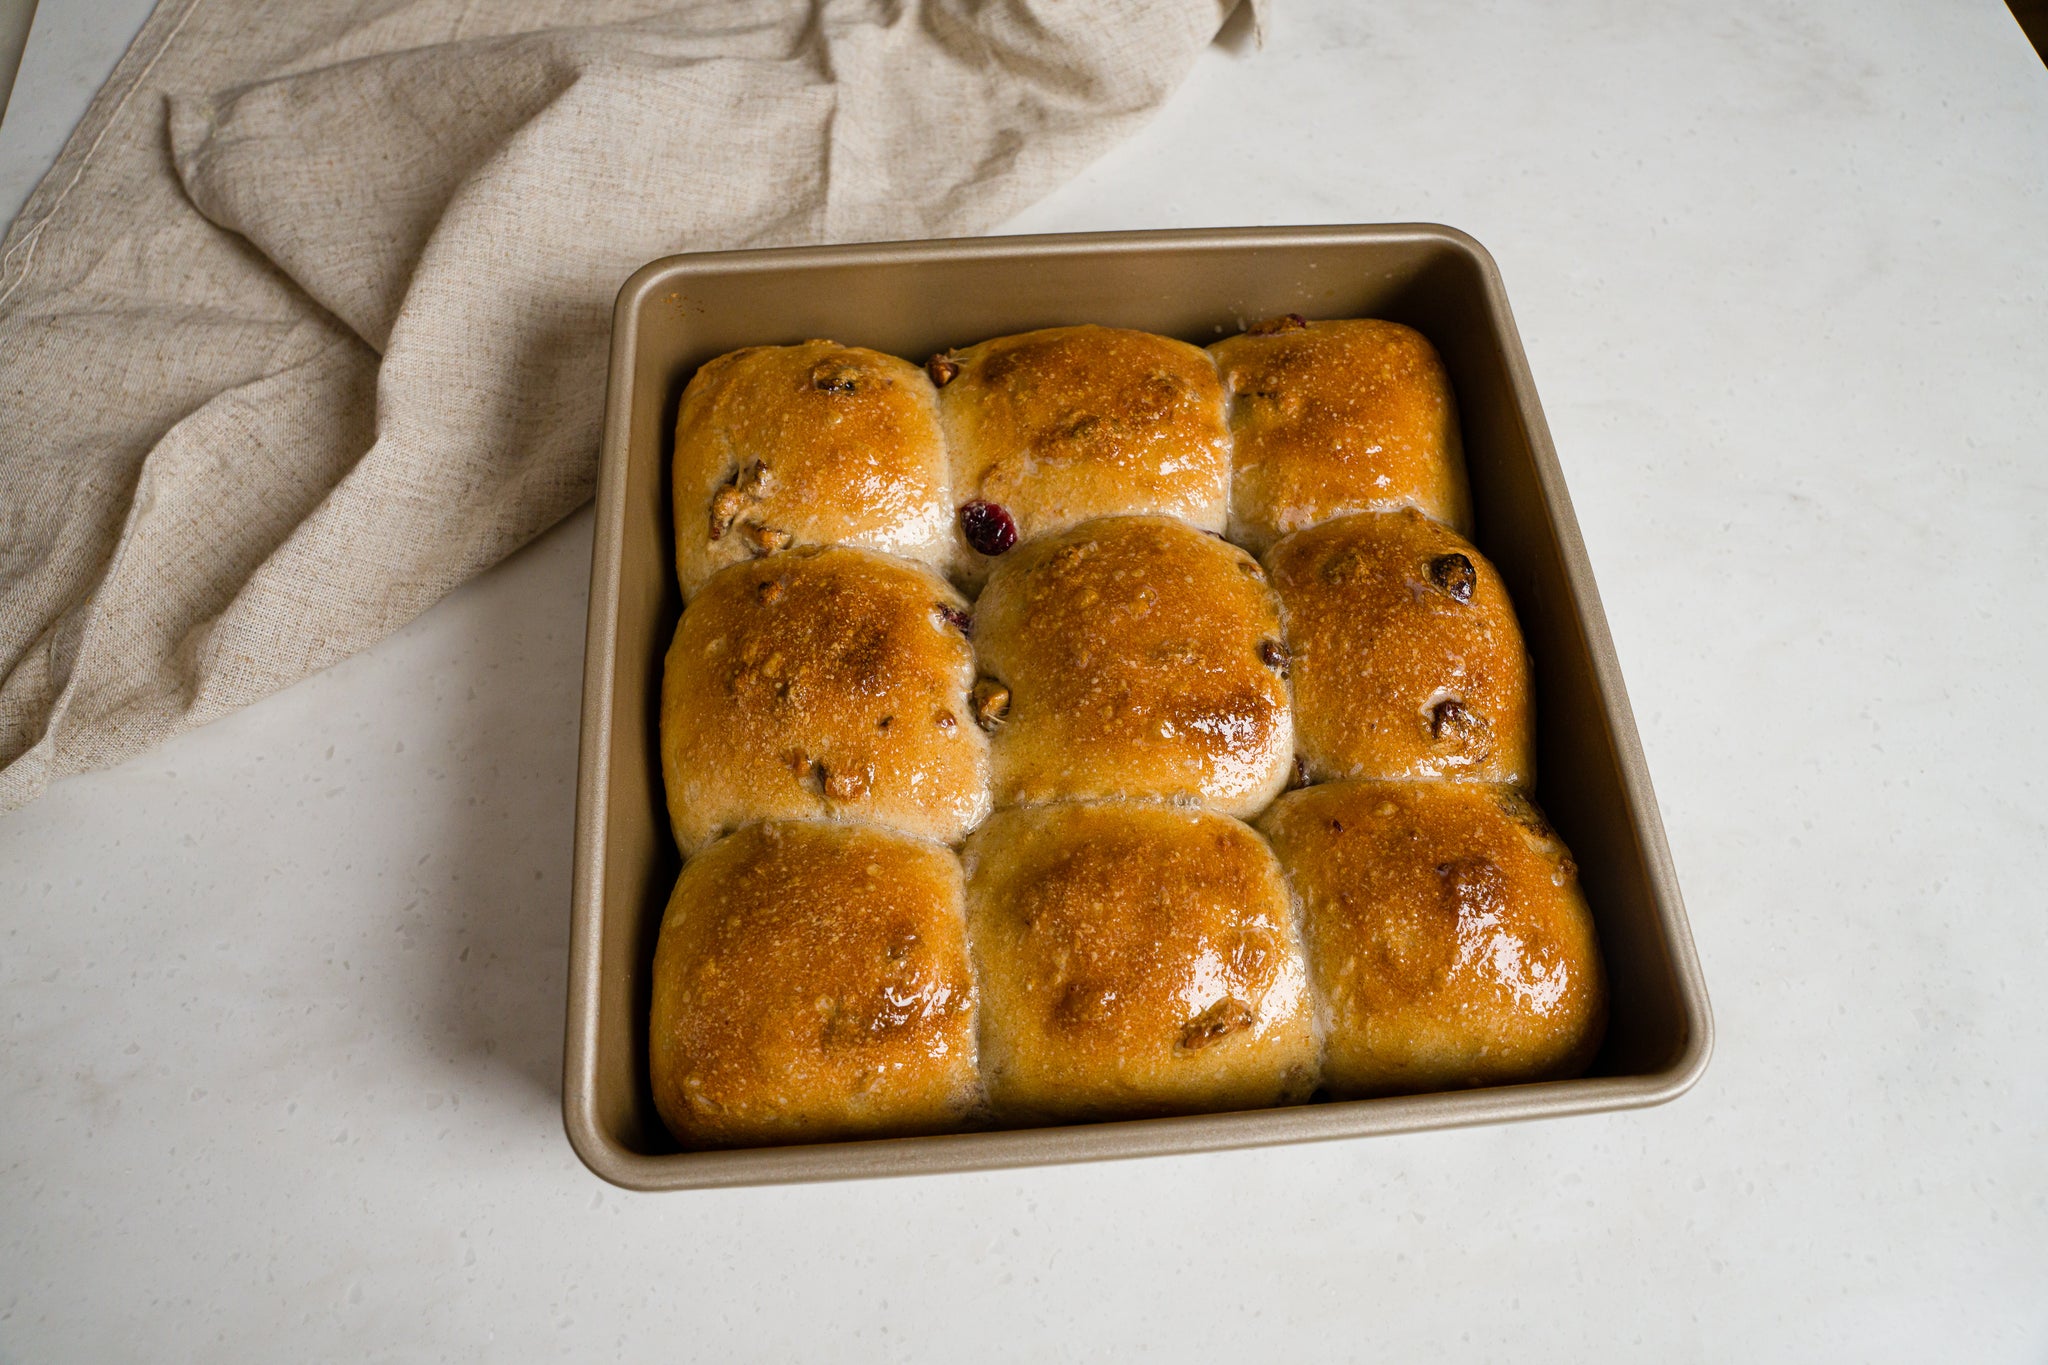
{"points": [[308, 323]]}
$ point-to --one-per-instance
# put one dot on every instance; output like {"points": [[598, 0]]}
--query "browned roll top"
{"points": [[1069, 423], [1446, 935], [822, 683], [784, 446], [1407, 659], [1140, 659], [811, 982], [1343, 416], [1134, 960]]}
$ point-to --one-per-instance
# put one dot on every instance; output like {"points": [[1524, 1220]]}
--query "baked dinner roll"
{"points": [[812, 982], [1333, 417], [1446, 935], [822, 683], [1050, 428], [780, 446], [1134, 960], [1406, 657], [1134, 657]]}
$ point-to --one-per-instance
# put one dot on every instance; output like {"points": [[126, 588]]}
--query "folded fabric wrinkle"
{"points": [[307, 325]]}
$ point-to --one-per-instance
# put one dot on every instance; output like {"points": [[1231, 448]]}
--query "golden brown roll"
{"points": [[1134, 657], [811, 983], [1134, 960], [1407, 661], [1332, 417], [822, 683], [1057, 426], [1446, 935], [781, 446]]}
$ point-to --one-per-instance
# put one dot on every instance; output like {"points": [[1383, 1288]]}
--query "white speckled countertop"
{"points": [[281, 1004]]}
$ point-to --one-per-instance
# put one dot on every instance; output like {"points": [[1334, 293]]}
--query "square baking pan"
{"points": [[915, 298]]}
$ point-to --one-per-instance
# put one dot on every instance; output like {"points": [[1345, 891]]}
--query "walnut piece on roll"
{"points": [[1137, 658], [1332, 417], [825, 683], [1051, 428], [1405, 654], [814, 444], [1134, 960], [811, 983], [1446, 935]]}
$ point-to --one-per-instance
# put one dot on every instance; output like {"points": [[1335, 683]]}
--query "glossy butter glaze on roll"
{"points": [[1332, 417], [811, 983], [1446, 935], [1407, 660], [1051, 428], [1134, 960], [1134, 657], [785, 446], [822, 683]]}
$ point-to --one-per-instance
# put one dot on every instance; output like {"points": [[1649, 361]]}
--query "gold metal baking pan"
{"points": [[919, 297]]}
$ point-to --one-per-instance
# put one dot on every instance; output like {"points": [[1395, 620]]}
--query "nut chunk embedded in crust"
{"points": [[1134, 960], [1056, 426], [1332, 417], [826, 684], [1446, 935], [1405, 654], [812, 983], [781, 446], [1140, 659]]}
